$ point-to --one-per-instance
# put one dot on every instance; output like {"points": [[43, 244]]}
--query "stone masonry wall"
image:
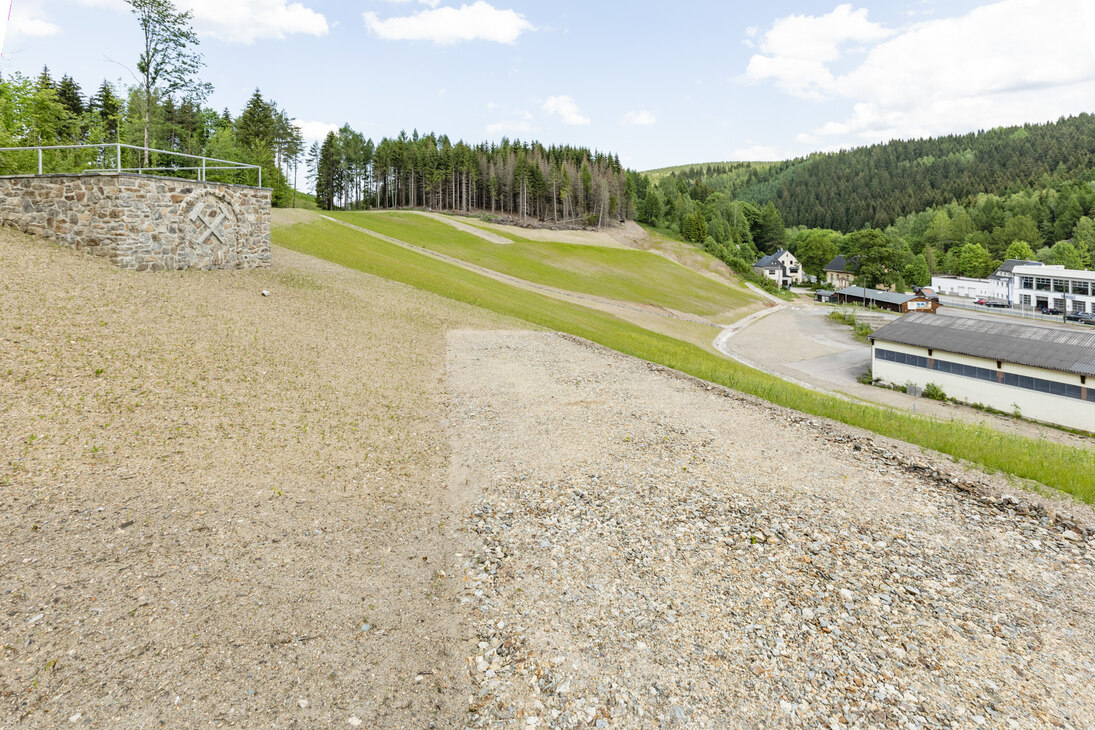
{"points": [[144, 222]]}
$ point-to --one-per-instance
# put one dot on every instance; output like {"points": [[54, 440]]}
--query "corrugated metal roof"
{"points": [[875, 295], [1054, 348]]}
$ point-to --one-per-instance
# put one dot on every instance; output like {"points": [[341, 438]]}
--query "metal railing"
{"points": [[141, 169]]}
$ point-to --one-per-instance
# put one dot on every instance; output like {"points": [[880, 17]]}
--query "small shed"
{"points": [[825, 296], [901, 303]]}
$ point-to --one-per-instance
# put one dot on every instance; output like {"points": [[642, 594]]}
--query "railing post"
{"points": [[119, 149], [260, 177], [39, 160]]}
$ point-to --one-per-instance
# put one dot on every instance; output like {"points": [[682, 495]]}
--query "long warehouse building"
{"points": [[1042, 372]]}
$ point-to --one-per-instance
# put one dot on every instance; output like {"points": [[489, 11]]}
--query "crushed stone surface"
{"points": [[658, 552]]}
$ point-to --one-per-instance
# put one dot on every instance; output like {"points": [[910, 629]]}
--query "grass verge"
{"points": [[1065, 468]]}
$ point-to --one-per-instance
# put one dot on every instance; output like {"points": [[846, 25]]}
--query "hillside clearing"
{"points": [[611, 273], [209, 493], [1065, 468]]}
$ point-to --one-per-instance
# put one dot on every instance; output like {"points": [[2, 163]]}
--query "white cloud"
{"points": [[444, 26], [28, 20], [245, 21], [759, 153], [510, 127], [1007, 62], [242, 21], [640, 118], [565, 108], [798, 50], [314, 131]]}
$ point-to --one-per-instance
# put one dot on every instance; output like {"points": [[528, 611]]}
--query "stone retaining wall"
{"points": [[144, 222]]}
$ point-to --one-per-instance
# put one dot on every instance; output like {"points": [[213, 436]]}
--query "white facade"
{"points": [[1071, 290], [995, 287], [1044, 395], [784, 269]]}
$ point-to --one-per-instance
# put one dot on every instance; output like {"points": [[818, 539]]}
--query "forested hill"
{"points": [[874, 186]]}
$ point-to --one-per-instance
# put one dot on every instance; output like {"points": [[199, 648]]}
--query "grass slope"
{"points": [[616, 273], [1066, 468]]}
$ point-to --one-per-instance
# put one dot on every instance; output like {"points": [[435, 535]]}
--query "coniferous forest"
{"points": [[959, 204], [521, 179]]}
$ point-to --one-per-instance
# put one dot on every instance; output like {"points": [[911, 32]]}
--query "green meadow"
{"points": [[1055, 465], [614, 273]]}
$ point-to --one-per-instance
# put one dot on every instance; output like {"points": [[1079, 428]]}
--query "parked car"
{"points": [[982, 300], [997, 304], [1050, 310], [1081, 317]]}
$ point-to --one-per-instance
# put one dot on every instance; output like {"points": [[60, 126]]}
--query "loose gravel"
{"points": [[655, 551]]}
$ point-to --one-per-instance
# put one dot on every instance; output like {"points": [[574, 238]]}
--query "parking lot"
{"points": [[801, 344]]}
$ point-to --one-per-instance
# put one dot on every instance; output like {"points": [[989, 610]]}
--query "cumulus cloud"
{"points": [[640, 118], [479, 21], [314, 131], [565, 108], [242, 21], [797, 51], [27, 20], [759, 153], [1002, 63], [245, 21], [510, 127]]}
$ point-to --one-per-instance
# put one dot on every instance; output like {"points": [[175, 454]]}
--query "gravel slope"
{"points": [[658, 552]]}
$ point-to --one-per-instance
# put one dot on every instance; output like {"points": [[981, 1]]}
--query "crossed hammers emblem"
{"points": [[212, 225]]}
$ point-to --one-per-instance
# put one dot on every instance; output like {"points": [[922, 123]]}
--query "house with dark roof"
{"points": [[781, 267], [1039, 371], [840, 272]]}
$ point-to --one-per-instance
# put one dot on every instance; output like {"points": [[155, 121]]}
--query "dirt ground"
{"points": [[659, 552], [353, 504], [223, 509]]}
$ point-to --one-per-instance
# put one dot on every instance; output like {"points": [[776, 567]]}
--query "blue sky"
{"points": [[657, 83]]}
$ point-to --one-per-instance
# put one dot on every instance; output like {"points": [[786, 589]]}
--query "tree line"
{"points": [[561, 184], [165, 108]]}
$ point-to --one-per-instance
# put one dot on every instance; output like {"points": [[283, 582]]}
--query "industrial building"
{"points": [[1038, 371], [1068, 290]]}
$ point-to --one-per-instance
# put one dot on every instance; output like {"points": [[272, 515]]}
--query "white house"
{"points": [[781, 267], [1039, 371]]}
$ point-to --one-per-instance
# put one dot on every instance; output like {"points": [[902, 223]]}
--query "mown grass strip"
{"points": [[615, 273], [1062, 467]]}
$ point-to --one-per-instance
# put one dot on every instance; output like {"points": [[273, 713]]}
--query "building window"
{"points": [[999, 365], [1060, 285], [1026, 282], [1080, 287], [1041, 283], [1024, 299], [1025, 382]]}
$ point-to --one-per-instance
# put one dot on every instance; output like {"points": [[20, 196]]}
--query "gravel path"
{"points": [[473, 230], [656, 551]]}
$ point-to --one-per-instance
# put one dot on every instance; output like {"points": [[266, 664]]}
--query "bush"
{"points": [[933, 391]]}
